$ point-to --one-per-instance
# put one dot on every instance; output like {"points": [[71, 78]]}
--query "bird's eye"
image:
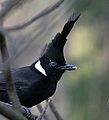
{"points": [[52, 64]]}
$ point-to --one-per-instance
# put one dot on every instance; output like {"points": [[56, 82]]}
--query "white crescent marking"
{"points": [[40, 68]]}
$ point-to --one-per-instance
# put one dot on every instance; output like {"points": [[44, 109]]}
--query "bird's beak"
{"points": [[68, 67]]}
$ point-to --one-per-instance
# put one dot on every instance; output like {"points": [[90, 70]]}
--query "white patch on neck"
{"points": [[40, 68]]}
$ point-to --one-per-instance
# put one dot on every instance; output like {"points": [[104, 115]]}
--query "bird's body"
{"points": [[37, 82], [29, 84]]}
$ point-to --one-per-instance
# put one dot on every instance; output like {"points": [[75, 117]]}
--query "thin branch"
{"points": [[108, 104], [37, 35], [45, 12], [7, 6], [26, 111], [40, 108], [7, 72], [54, 110], [44, 110], [7, 111]]}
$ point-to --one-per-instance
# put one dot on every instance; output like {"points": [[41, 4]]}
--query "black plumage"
{"points": [[38, 81]]}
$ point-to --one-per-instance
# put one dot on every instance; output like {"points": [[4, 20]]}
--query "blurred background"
{"points": [[81, 94]]}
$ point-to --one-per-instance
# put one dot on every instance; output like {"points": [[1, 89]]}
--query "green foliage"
{"points": [[89, 85]]}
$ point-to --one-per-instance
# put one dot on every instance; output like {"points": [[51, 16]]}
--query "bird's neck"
{"points": [[53, 76], [39, 67]]}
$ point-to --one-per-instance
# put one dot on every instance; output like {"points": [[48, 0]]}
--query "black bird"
{"points": [[37, 82]]}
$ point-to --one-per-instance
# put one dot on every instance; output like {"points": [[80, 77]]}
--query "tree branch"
{"points": [[44, 12], [7, 6], [7, 111], [44, 110], [54, 110], [7, 74], [40, 108]]}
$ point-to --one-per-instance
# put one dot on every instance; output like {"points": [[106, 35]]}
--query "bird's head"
{"points": [[53, 60]]}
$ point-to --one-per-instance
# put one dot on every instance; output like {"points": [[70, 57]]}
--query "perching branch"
{"points": [[7, 111], [54, 111], [40, 108], [7, 74], [45, 12], [44, 110]]}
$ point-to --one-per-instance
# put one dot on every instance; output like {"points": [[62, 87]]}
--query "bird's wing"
{"points": [[19, 84], [21, 79]]}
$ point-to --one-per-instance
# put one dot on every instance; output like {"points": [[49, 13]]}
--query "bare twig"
{"points": [[26, 111], [108, 104], [45, 12], [7, 72], [54, 110], [7, 111], [40, 108], [45, 109], [28, 44], [7, 6]]}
